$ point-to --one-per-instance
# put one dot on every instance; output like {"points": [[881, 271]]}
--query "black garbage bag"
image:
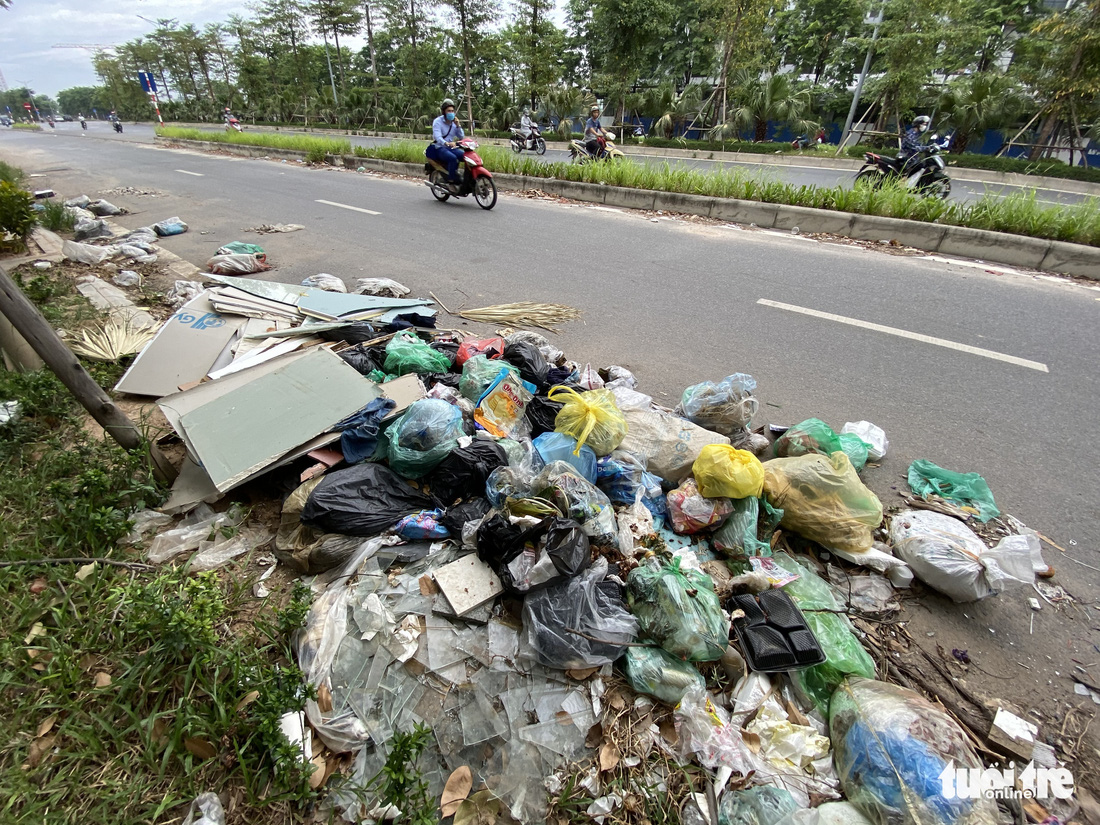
{"points": [[409, 320], [559, 375], [530, 362], [499, 541], [363, 500], [463, 472], [562, 553], [356, 333], [541, 413], [447, 379], [360, 358], [448, 348], [458, 516]]}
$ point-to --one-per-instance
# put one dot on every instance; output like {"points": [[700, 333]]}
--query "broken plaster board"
{"points": [[468, 583], [250, 428]]}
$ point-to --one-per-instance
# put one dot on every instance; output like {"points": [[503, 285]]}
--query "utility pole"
{"points": [[26, 318], [331, 78], [876, 20]]}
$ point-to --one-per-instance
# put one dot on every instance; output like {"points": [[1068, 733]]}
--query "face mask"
{"points": [[450, 116], [924, 127]]}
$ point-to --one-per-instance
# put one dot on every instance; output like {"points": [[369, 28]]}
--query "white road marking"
{"points": [[972, 264], [352, 208], [196, 174], [914, 336]]}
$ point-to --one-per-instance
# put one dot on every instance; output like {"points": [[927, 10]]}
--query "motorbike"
{"points": [[925, 173], [474, 180], [118, 126], [84, 125], [534, 141], [804, 142], [233, 125], [578, 150], [49, 120]]}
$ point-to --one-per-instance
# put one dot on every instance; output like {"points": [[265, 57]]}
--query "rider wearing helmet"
{"points": [[525, 123], [445, 134], [593, 131], [911, 146]]}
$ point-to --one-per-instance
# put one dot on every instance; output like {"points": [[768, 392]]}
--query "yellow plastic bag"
{"points": [[722, 471], [591, 417], [823, 500]]}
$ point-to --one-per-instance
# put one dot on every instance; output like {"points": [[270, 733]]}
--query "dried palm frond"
{"points": [[111, 341], [524, 314]]}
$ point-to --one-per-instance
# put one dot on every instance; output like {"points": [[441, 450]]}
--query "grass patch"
{"points": [[12, 174], [55, 217], [30, 127], [298, 143]]}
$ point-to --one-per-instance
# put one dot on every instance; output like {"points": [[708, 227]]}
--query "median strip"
{"points": [[904, 333]]}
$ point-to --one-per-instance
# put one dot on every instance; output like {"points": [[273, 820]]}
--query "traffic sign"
{"points": [[27, 106], [148, 82]]}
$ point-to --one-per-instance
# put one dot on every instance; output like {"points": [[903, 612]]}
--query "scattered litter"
{"points": [[110, 341], [84, 253], [9, 412], [42, 265], [170, 226], [329, 283], [242, 248], [268, 228], [383, 287], [967, 489], [89, 228], [127, 277], [874, 437], [206, 809], [234, 264], [103, 208], [182, 292]]}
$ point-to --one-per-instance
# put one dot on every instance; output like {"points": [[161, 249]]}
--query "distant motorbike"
{"points": [[233, 125], [49, 120], [803, 142], [118, 126], [475, 179], [84, 124], [605, 150], [925, 173], [533, 142]]}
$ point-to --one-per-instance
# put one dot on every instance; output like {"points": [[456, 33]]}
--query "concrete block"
{"points": [[746, 212], [926, 236], [590, 192], [629, 198], [688, 204], [813, 220], [1015, 250], [511, 183], [1072, 259]]}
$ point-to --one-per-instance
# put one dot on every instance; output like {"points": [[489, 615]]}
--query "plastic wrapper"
{"points": [[422, 525], [561, 552], [874, 437], [890, 746], [761, 805], [242, 248], [855, 448], [823, 499], [678, 609], [724, 471], [707, 734], [464, 471], [422, 437], [170, 226], [500, 411], [84, 253], [724, 407], [691, 513], [236, 265], [844, 655], [384, 287], [200, 525], [578, 499], [144, 521], [127, 278], [590, 417], [206, 809], [541, 413], [968, 489], [623, 476], [529, 360], [666, 443], [363, 500], [949, 557], [136, 253], [553, 616], [329, 283], [492, 348], [406, 353], [830, 813], [656, 672], [590, 378], [182, 292], [478, 373], [360, 435], [629, 399], [223, 550], [738, 533], [560, 447], [507, 482]]}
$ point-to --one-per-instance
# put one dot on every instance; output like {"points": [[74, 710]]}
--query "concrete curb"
{"points": [[998, 247]]}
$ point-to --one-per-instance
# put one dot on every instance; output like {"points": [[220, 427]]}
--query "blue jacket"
{"points": [[910, 142], [444, 132]]}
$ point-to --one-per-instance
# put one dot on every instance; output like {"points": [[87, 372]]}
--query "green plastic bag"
{"points": [[737, 536], [678, 609], [761, 805], [406, 353], [815, 436], [855, 448], [478, 373], [844, 655], [241, 248], [656, 672], [422, 437], [967, 489]]}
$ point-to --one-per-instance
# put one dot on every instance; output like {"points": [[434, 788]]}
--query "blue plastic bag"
{"points": [[560, 447], [621, 475], [422, 525]]}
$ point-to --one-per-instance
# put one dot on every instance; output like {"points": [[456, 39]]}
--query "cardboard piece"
{"points": [[183, 350], [1015, 735], [191, 487], [468, 583]]}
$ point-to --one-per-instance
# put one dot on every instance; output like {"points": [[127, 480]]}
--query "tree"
{"points": [[337, 17], [741, 30], [625, 32], [78, 99], [472, 16], [809, 32], [538, 46], [761, 100], [973, 104], [677, 110]]}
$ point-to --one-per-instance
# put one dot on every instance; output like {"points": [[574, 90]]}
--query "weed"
{"points": [[12, 174], [401, 782], [56, 217], [16, 216], [316, 155]]}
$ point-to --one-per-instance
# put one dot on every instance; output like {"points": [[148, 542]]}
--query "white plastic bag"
{"points": [[871, 435], [127, 277], [182, 292], [238, 264], [195, 528], [223, 550], [206, 809], [84, 253], [383, 287], [329, 283], [948, 556]]}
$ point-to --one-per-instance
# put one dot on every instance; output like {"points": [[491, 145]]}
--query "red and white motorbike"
{"points": [[474, 178]]}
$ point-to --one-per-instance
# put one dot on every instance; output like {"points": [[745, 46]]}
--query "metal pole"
{"points": [[862, 76], [331, 78]]}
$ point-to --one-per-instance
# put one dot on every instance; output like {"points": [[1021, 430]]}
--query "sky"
{"points": [[30, 28]]}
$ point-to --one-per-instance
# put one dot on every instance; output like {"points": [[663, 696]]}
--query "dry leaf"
{"points": [[160, 732], [668, 732], [428, 587], [324, 698], [38, 585], [594, 736], [317, 778], [87, 661], [609, 756], [199, 747], [581, 675], [751, 740], [37, 629], [247, 700], [39, 748], [616, 700], [46, 726], [458, 787], [102, 679], [480, 809], [85, 571]]}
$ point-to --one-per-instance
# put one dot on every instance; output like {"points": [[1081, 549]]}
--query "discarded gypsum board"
{"points": [[468, 583], [773, 633]]}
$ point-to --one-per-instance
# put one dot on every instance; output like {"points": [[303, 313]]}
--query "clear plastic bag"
{"points": [[738, 534], [478, 373], [823, 500], [87, 228], [691, 512], [725, 407], [722, 470], [761, 805], [623, 476], [236, 265], [198, 526], [967, 489], [890, 746], [656, 672], [560, 447], [406, 353], [422, 437], [206, 809], [678, 609], [666, 443], [222, 550], [578, 499], [384, 287], [553, 616], [84, 253], [329, 283], [590, 417]]}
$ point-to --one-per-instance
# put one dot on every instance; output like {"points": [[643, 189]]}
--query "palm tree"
{"points": [[973, 104], [567, 103], [763, 99], [679, 111]]}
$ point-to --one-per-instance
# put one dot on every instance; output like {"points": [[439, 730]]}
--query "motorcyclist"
{"points": [[526, 125], [911, 146], [593, 131], [445, 135], [83, 122]]}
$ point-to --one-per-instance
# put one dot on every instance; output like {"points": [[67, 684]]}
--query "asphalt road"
{"points": [[678, 302]]}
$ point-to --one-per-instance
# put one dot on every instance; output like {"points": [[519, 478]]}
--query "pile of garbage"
{"points": [[95, 242], [503, 542]]}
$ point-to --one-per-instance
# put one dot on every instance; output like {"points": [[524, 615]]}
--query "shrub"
{"points": [[16, 217]]}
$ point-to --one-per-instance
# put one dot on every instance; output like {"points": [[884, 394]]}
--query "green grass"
{"points": [[55, 217], [298, 143], [32, 127], [1018, 214], [11, 174]]}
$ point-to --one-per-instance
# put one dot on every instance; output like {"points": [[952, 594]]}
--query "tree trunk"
{"points": [[373, 59], [761, 131], [1045, 132], [339, 59], [533, 54], [412, 37]]}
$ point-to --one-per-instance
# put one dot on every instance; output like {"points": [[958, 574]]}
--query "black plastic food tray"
{"points": [[773, 634]]}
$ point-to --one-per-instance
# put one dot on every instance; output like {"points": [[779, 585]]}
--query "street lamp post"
{"points": [[876, 21]]}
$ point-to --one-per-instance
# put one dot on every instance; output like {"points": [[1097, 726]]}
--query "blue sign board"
{"points": [[148, 82]]}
